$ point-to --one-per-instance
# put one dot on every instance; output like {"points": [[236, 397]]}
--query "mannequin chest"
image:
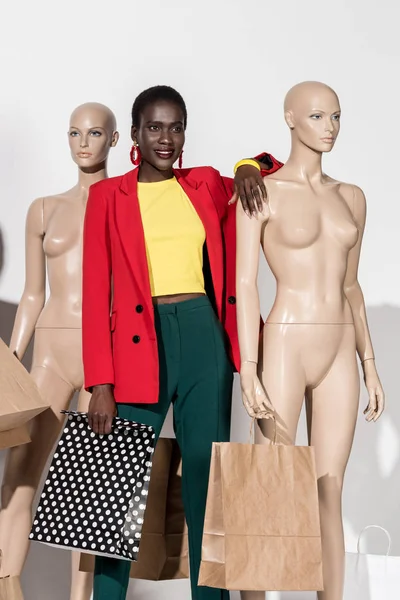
{"points": [[300, 218], [63, 226]]}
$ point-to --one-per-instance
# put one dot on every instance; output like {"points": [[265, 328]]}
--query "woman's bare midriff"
{"points": [[174, 298]]}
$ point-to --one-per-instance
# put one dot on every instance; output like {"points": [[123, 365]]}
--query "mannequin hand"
{"points": [[250, 188], [254, 398], [102, 409], [376, 404]]}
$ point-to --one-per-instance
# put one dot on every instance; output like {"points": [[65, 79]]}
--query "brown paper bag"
{"points": [[163, 551], [10, 587], [20, 400], [262, 529], [175, 538]]}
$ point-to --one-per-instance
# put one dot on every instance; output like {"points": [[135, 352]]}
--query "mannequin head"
{"points": [[312, 112], [159, 120], [92, 132]]}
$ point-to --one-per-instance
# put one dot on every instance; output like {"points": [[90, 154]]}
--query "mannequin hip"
{"points": [[311, 348], [60, 350]]}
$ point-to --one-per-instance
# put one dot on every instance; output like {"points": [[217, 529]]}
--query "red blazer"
{"points": [[119, 340]]}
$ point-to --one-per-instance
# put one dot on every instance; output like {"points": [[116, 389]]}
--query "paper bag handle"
{"points": [[262, 415], [375, 527]]}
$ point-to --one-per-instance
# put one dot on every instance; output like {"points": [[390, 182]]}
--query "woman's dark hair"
{"points": [[155, 94]]}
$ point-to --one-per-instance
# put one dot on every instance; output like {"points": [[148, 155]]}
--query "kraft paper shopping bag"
{"points": [[20, 400], [262, 527]]}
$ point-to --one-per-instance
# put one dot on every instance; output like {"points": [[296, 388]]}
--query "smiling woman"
{"points": [[148, 120], [165, 237]]}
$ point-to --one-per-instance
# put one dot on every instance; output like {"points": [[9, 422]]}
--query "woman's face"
{"points": [[160, 134], [316, 119], [90, 137]]}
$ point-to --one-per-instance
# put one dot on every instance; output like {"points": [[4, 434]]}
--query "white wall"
{"points": [[233, 61]]}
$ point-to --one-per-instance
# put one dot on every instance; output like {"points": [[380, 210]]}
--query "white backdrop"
{"points": [[232, 61]]}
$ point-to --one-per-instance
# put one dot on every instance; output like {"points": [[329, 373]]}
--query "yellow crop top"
{"points": [[174, 236]]}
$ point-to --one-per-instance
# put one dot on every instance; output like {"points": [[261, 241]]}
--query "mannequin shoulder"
{"points": [[351, 192], [273, 181], [274, 184], [261, 217], [355, 199], [35, 217], [40, 212], [353, 195]]}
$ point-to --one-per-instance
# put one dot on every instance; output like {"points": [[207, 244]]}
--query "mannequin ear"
{"points": [[289, 119], [114, 139]]}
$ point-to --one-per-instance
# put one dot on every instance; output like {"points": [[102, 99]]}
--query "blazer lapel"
{"points": [[200, 196], [130, 228]]}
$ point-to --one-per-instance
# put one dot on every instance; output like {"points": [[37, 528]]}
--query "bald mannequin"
{"points": [[301, 95], [53, 245], [310, 232]]}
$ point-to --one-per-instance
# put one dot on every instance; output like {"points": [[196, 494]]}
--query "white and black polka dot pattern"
{"points": [[95, 494]]}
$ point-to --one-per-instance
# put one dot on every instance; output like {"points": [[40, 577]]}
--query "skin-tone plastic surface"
{"points": [[311, 232], [53, 246]]}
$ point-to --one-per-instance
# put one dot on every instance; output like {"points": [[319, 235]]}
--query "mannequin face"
{"points": [[313, 114], [91, 134], [160, 134]]}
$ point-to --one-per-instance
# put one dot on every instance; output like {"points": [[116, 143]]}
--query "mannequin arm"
{"points": [[355, 297], [248, 236], [352, 287], [34, 295]]}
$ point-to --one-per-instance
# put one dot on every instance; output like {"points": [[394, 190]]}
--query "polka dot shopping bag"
{"points": [[95, 494]]}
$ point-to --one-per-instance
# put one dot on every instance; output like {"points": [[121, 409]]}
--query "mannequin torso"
{"points": [[306, 229], [63, 218]]}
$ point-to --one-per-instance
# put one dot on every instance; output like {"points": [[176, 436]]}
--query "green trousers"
{"points": [[196, 377]]}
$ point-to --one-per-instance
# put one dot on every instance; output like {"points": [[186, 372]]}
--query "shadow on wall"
{"points": [[7, 314], [1, 253], [372, 495]]}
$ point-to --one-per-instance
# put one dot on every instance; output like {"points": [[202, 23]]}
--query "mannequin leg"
{"points": [[24, 468], [81, 582], [333, 408], [285, 388]]}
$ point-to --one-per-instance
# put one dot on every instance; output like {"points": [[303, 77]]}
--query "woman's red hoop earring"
{"points": [[136, 155], [180, 160]]}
